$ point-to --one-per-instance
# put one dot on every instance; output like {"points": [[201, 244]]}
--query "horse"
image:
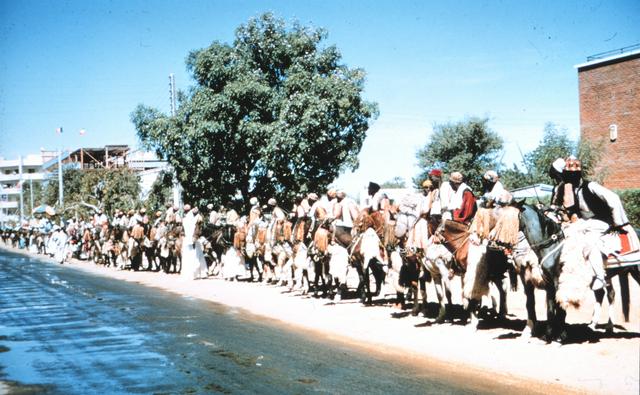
{"points": [[135, 253], [401, 240], [319, 252], [170, 246], [256, 237], [366, 253], [434, 257], [150, 249], [469, 262], [218, 239], [554, 250]]}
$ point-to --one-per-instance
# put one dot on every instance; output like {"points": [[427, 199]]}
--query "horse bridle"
{"points": [[554, 238]]}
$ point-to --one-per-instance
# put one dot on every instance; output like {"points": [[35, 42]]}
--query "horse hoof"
{"points": [[609, 329]]}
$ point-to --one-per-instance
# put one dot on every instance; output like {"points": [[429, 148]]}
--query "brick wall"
{"points": [[610, 94]]}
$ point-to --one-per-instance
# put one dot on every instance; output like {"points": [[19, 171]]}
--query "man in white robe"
{"points": [[192, 261]]}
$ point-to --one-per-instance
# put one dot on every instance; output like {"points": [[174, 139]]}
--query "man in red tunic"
{"points": [[463, 201]]}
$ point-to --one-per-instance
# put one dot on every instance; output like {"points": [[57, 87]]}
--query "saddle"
{"points": [[342, 236], [456, 235]]}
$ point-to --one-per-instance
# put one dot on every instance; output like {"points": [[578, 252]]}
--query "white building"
{"points": [[14, 173], [38, 168]]}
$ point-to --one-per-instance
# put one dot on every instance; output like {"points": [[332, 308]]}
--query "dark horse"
{"points": [[220, 239], [545, 237]]}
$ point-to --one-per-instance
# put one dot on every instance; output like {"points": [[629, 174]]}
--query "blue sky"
{"points": [[87, 64]]}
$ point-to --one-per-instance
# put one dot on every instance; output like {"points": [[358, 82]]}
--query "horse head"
{"points": [[537, 226]]}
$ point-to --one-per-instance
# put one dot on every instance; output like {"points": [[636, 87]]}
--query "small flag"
{"points": [[59, 130], [82, 132]]}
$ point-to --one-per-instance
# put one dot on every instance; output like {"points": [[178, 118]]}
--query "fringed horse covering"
{"points": [[321, 240], [239, 239], [483, 222], [507, 226]]}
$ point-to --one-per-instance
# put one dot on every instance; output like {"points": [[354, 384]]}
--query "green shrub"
{"points": [[631, 201]]}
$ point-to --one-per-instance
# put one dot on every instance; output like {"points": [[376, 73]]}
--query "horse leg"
{"points": [[597, 309], [442, 313], [623, 277], [363, 286], [611, 295], [441, 280], [472, 312], [503, 289], [378, 275], [316, 278], [556, 329], [420, 290], [529, 291], [326, 278]]}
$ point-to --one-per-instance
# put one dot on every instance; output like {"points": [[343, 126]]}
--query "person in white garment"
{"points": [[493, 190], [59, 239], [191, 265], [602, 216], [345, 211]]}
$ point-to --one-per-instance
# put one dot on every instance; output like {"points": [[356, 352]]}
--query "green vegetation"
{"points": [[273, 114]]}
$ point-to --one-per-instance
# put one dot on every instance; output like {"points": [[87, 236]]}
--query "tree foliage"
{"points": [[109, 189], [26, 195], [514, 177], [555, 144], [631, 201], [161, 191], [273, 114], [395, 182], [468, 146]]}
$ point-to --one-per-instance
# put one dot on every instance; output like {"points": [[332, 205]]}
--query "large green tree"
{"points": [[273, 114], [555, 143], [468, 146]]}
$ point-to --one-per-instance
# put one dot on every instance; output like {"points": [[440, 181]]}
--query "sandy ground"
{"points": [[591, 363]]}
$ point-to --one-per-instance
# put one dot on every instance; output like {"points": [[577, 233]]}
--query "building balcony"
{"points": [[25, 177], [8, 205], [10, 191]]}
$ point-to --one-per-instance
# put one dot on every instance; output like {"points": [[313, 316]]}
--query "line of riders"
{"points": [[578, 242]]}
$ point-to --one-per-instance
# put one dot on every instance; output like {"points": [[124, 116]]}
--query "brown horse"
{"points": [[469, 263], [367, 254]]}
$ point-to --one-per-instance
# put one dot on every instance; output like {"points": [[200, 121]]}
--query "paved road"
{"points": [[65, 331]]}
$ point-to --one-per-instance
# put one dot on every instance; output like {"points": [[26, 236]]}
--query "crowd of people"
{"points": [[315, 243]]}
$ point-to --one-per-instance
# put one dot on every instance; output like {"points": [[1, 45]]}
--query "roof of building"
{"points": [[610, 57], [530, 191]]}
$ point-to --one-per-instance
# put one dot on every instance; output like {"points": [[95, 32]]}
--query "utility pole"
{"points": [[177, 188], [60, 187], [31, 192], [172, 93], [21, 194]]}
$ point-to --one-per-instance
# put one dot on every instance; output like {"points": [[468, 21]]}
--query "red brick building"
{"points": [[609, 87]]}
